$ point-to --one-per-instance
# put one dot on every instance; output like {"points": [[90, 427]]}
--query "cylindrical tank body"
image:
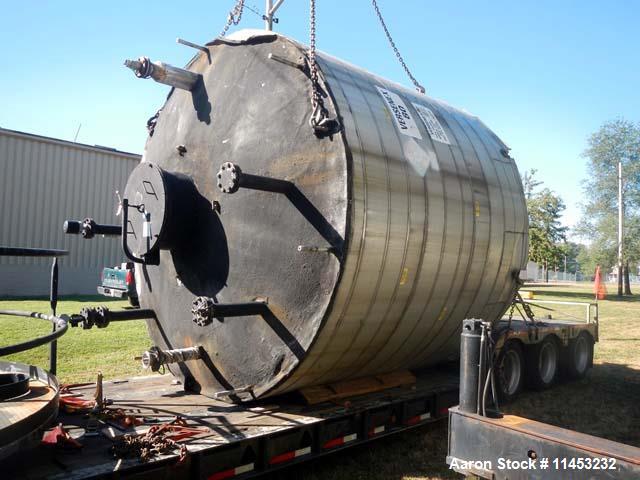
{"points": [[408, 220]]}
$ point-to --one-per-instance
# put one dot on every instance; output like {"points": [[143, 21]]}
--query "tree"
{"points": [[529, 183], [546, 233], [615, 140], [571, 251]]}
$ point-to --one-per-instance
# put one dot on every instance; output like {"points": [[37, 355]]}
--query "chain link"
{"points": [[155, 442], [419, 87], [319, 120], [319, 113], [235, 15], [525, 306], [511, 310]]}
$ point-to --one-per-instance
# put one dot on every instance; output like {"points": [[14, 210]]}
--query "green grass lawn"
{"points": [[606, 403], [81, 353]]}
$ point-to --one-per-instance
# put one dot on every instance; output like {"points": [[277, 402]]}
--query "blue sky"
{"points": [[543, 75]]}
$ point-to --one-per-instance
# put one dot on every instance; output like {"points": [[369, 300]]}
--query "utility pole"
{"points": [[565, 268], [620, 226]]}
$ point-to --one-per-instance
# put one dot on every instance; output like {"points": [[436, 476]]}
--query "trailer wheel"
{"points": [[579, 355], [543, 363], [510, 371]]}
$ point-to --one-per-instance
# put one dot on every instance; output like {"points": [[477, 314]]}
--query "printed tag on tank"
{"points": [[400, 113], [432, 124]]}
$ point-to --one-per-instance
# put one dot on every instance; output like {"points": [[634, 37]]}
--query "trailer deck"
{"points": [[247, 439]]}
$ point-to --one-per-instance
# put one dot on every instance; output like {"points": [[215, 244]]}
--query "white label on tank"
{"points": [[404, 121], [431, 122]]}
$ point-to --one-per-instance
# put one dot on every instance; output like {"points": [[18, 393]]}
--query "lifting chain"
{"points": [[419, 87], [511, 310], [152, 122], [235, 15], [319, 120], [154, 442], [526, 307]]}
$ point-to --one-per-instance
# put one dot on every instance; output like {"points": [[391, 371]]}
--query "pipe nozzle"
{"points": [[133, 64], [163, 73]]}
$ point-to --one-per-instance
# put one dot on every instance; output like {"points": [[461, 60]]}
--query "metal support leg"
{"points": [[53, 301]]}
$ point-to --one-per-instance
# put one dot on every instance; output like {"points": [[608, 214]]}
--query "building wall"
{"points": [[43, 182]]}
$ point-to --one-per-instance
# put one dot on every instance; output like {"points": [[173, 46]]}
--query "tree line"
{"points": [[617, 140]]}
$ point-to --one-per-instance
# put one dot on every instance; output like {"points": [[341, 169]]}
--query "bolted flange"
{"points": [[229, 177], [202, 311]]}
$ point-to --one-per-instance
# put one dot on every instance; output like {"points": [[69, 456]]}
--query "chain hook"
{"points": [[319, 119]]}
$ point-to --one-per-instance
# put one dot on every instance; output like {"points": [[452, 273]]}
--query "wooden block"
{"points": [[360, 386]]}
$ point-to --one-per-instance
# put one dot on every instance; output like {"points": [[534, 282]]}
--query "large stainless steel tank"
{"points": [[395, 229]]}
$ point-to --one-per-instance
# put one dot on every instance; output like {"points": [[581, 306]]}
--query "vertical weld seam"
{"points": [[486, 184], [440, 259], [406, 243], [356, 272], [386, 244], [504, 207], [447, 316]]}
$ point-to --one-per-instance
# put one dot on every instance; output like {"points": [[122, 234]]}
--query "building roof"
{"points": [[83, 146]]}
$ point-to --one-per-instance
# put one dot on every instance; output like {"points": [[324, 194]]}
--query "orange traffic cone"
{"points": [[599, 288]]}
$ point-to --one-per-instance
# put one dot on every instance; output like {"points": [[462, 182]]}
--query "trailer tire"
{"points": [[510, 371], [579, 356], [543, 363]]}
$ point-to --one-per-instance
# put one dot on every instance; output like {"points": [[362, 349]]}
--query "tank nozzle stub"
{"points": [[163, 73], [154, 358]]}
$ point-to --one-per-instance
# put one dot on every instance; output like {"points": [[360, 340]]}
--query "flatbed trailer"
{"points": [[483, 443], [243, 440], [250, 439]]}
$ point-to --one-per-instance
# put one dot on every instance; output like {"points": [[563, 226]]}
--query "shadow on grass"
{"points": [[584, 296], [604, 403]]}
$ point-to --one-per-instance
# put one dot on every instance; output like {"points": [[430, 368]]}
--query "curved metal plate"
{"points": [[422, 201]]}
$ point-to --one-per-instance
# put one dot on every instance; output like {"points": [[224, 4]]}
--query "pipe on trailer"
{"points": [[60, 328]]}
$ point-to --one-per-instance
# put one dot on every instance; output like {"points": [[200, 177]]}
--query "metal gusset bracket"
{"points": [[148, 258], [155, 357], [314, 249], [300, 63], [204, 310], [100, 317], [231, 178], [88, 228], [187, 43], [233, 393], [164, 73]]}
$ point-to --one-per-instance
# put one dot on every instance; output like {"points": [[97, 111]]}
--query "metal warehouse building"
{"points": [[43, 182]]}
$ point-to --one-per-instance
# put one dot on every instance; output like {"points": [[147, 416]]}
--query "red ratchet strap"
{"points": [[59, 437]]}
